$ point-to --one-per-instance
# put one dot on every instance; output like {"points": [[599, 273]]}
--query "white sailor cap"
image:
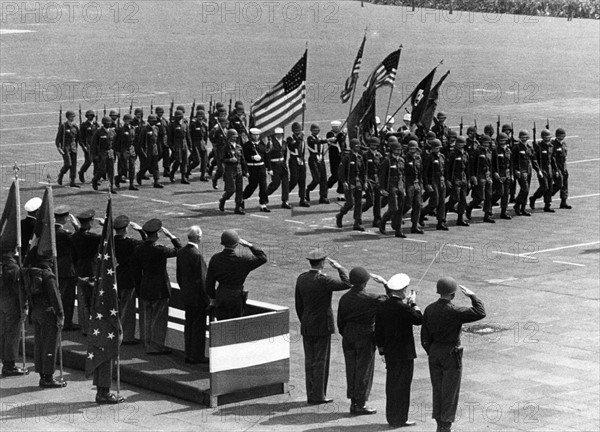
{"points": [[390, 119], [377, 120], [278, 130], [33, 204], [398, 281], [407, 117], [336, 123], [255, 131]]}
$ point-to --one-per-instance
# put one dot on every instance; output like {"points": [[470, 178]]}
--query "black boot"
{"points": [[59, 180], [564, 205], [10, 369], [338, 220], [132, 187], [48, 381]]}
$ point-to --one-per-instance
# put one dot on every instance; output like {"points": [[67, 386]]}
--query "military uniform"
{"points": [[27, 226], [66, 141], [218, 138], [561, 179], [86, 130], [67, 279], [199, 154], [12, 315], [148, 152], [255, 156], [372, 159], [481, 171], [163, 145], [413, 174], [239, 122], [103, 155], [335, 151], [456, 180], [501, 160], [180, 143], [235, 168], [522, 159], [547, 166], [391, 180], [125, 148], [276, 160], [435, 182], [297, 165], [316, 164], [352, 174]]}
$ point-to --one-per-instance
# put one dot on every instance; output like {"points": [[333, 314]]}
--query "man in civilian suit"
{"points": [[394, 323], [314, 290], [191, 277]]}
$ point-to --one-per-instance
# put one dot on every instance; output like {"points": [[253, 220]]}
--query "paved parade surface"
{"points": [[532, 364]]}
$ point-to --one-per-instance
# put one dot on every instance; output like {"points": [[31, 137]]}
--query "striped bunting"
{"points": [[283, 102]]}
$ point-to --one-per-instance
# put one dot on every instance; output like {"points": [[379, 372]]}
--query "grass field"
{"points": [[524, 69]]}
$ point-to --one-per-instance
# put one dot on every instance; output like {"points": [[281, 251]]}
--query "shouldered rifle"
{"points": [[497, 127], [210, 107], [534, 132], [460, 131], [151, 106], [131, 107], [547, 123], [512, 134], [104, 110], [80, 121], [230, 111], [193, 109], [171, 108], [60, 125], [119, 118]]}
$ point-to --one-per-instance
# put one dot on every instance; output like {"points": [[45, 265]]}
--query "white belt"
{"points": [[256, 164], [277, 160]]}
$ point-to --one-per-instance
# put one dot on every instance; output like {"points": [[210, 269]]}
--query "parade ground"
{"points": [[531, 365]]}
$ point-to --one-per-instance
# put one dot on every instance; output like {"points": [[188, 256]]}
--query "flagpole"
{"points": [[304, 98], [118, 316], [392, 88], [356, 82]]}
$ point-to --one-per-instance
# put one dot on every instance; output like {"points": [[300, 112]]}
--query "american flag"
{"points": [[283, 102], [105, 326], [351, 80], [385, 73]]}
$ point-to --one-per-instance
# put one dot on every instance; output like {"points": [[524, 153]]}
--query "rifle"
{"points": [[534, 133], [547, 123], [171, 109], [230, 106], [210, 107], [498, 126], [62, 144], [475, 124], [512, 134], [104, 115], [151, 106], [460, 131], [119, 118], [131, 107], [193, 109]]}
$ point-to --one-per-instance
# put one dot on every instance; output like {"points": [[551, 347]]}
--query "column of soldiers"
{"points": [[428, 176]]}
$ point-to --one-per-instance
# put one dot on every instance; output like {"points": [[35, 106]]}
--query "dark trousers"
{"points": [[85, 289], [194, 332], [317, 354], [179, 158], [126, 166], [395, 206], [149, 164], [11, 320], [198, 157], [561, 183], [104, 167], [484, 193], [545, 189], [127, 298], [166, 158], [280, 177], [359, 355], [298, 177], [319, 176], [229, 303], [445, 372], [234, 184], [502, 192], [46, 340], [437, 200], [156, 318], [103, 375], [334, 164], [69, 164], [523, 182], [397, 390], [373, 199], [66, 287], [414, 200], [257, 177], [459, 195], [87, 161], [353, 200]]}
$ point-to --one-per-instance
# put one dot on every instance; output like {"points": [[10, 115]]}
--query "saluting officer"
{"points": [[103, 154], [66, 141], [435, 184], [86, 131], [544, 153], [372, 158], [149, 151], [255, 156], [501, 160], [316, 164], [125, 148], [277, 167], [481, 179], [456, 178], [391, 184], [352, 174], [561, 180], [232, 158], [297, 162], [180, 143]]}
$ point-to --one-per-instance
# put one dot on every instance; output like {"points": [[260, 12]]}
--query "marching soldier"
{"points": [[178, 138], [103, 154], [66, 141], [336, 146], [238, 121], [352, 174], [86, 130], [218, 138], [232, 158], [277, 167], [472, 143], [255, 156], [372, 159], [440, 128], [456, 178], [199, 137], [523, 159], [316, 164], [391, 183], [413, 174], [481, 178], [297, 163], [435, 185], [138, 123], [561, 179], [114, 119], [440, 337], [149, 151], [547, 166], [501, 160], [125, 148], [163, 146]]}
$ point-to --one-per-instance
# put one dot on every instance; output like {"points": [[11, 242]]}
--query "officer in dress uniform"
{"points": [[501, 161], [391, 184], [356, 324], [413, 175], [67, 279], [199, 137], [124, 249], [28, 223], [313, 294], [153, 285], [255, 155], [276, 161], [232, 158], [125, 148], [316, 164], [86, 131], [440, 337], [481, 170], [522, 162], [148, 149], [372, 158], [179, 141], [336, 146], [103, 154], [66, 141], [297, 162], [561, 179], [435, 185], [394, 323], [352, 174], [230, 270], [456, 178], [544, 153]]}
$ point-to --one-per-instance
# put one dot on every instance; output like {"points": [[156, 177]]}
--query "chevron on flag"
{"points": [[283, 102], [105, 326]]}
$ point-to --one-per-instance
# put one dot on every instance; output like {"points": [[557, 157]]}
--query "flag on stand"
{"points": [[283, 102], [428, 115], [420, 97], [361, 121], [351, 80], [10, 223], [43, 240], [385, 73], [105, 326]]}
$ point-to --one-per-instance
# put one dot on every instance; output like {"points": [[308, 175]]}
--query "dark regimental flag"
{"points": [[10, 223], [434, 95], [283, 102], [105, 326], [361, 121], [351, 80], [420, 97], [385, 73], [43, 240]]}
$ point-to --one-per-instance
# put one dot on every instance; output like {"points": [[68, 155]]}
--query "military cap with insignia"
{"points": [[152, 226], [121, 222], [33, 204], [316, 255], [61, 210], [86, 215]]}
